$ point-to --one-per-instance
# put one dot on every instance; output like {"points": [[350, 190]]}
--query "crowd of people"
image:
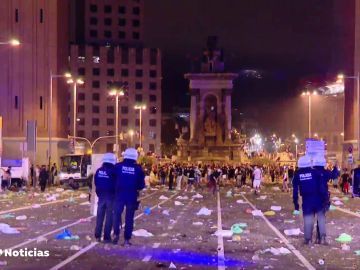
{"points": [[118, 186]]}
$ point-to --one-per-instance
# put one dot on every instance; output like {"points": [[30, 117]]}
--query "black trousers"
{"points": [[104, 212], [171, 182], [119, 207]]}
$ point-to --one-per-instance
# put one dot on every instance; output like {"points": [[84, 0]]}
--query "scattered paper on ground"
{"points": [[198, 223], [291, 232], [142, 233], [275, 208], [224, 233], [337, 203], [7, 229], [344, 238], [197, 196], [256, 213], [278, 251], [240, 201], [204, 212]]}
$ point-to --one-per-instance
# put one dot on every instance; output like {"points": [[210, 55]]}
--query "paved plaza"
{"points": [[179, 236]]}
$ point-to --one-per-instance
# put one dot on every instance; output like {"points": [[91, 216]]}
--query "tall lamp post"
{"points": [[140, 107], [117, 93], [131, 133], [75, 82], [52, 77], [309, 95], [12, 42], [341, 77]]}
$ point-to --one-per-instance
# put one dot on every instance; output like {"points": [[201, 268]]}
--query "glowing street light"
{"points": [[309, 94], [74, 82], [13, 42], [117, 93], [140, 107], [131, 133], [52, 77]]}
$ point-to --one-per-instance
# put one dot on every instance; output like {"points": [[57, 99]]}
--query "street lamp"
{"points": [[131, 133], [117, 92], [12, 42], [52, 76], [309, 94], [296, 141], [140, 107], [75, 82], [341, 77]]}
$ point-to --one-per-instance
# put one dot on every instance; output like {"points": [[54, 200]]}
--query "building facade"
{"points": [[25, 78], [109, 49], [101, 66], [352, 100]]}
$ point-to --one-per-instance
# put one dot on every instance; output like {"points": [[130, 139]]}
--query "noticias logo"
{"points": [[24, 253]]}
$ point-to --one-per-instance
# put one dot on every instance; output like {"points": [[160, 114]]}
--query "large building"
{"points": [[108, 49], [350, 24], [25, 78], [100, 66], [101, 41]]}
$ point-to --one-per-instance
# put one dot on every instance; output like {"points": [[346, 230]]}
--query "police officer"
{"points": [[356, 181], [319, 163], [129, 181], [308, 180], [105, 190]]}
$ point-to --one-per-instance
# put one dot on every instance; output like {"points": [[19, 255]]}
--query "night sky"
{"points": [[289, 42]]}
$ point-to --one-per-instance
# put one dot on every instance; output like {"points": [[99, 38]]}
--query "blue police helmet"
{"points": [[319, 161], [304, 162], [109, 158], [131, 153]]}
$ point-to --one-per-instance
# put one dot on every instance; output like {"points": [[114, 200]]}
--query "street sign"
{"points": [[315, 147], [350, 149]]}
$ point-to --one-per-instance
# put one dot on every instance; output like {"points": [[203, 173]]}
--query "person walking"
{"points": [[171, 177], [32, 175], [53, 173], [285, 186], [356, 181], [335, 174], [319, 164], [43, 178], [179, 176], [105, 190], [37, 174], [345, 180], [130, 180], [213, 178], [257, 176], [307, 180], [162, 174]]}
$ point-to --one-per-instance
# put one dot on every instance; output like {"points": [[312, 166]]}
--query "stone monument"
{"points": [[210, 111]]}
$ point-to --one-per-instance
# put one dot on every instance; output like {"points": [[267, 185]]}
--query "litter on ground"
{"points": [[291, 232], [142, 233], [275, 208], [204, 212]]}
